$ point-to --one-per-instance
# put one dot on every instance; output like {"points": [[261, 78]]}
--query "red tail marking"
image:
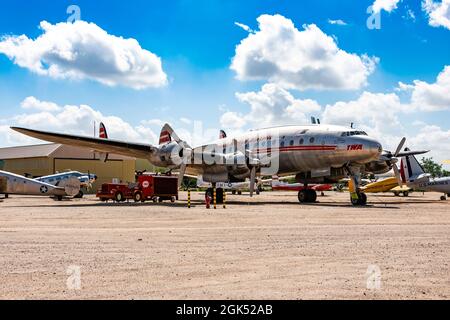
{"points": [[164, 137]]}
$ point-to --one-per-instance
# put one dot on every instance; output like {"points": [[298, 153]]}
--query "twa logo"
{"points": [[354, 147]]}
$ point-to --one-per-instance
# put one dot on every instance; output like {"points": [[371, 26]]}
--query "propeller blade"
{"points": [[397, 175], [412, 153], [400, 147], [252, 181], [181, 174]]}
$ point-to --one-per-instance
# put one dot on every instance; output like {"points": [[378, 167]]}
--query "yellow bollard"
{"points": [[224, 199], [189, 199], [214, 198]]}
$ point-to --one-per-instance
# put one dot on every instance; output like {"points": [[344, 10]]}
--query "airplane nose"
{"points": [[372, 146]]}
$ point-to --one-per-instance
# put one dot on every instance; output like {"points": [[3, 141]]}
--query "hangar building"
{"points": [[45, 159]]}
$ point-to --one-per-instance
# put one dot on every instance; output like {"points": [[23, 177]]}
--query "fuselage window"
{"points": [[312, 140], [291, 143], [302, 141]]}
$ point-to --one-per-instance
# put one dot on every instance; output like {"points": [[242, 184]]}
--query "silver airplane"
{"points": [[314, 154], [11, 183], [86, 179], [415, 177]]}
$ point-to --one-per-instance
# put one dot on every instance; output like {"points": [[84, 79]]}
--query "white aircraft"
{"points": [[314, 154], [415, 177], [86, 179], [11, 183], [234, 187]]}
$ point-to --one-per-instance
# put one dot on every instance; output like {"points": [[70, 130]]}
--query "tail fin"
{"points": [[103, 134], [222, 134], [410, 169], [102, 131], [168, 135]]}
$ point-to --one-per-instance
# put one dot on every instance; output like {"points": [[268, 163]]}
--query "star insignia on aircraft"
{"points": [[44, 189]]}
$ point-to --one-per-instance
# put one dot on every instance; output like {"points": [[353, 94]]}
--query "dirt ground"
{"points": [[268, 247]]}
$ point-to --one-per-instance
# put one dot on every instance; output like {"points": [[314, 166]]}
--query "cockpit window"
{"points": [[353, 133]]}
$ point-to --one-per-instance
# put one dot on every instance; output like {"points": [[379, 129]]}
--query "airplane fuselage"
{"points": [[314, 149]]}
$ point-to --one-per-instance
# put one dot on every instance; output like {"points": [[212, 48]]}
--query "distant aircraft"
{"points": [[314, 154], [278, 185], [386, 185], [415, 177], [86, 179], [11, 183]]}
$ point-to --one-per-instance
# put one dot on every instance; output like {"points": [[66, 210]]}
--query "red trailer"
{"points": [[148, 187]]}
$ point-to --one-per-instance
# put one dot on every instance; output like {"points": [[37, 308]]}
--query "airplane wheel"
{"points": [[302, 196], [59, 198], [257, 192], [311, 196], [406, 193], [119, 197], [240, 193], [79, 195], [361, 201], [233, 192], [137, 197], [6, 196], [443, 198]]}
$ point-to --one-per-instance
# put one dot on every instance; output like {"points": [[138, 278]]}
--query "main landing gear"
{"points": [[307, 196]]}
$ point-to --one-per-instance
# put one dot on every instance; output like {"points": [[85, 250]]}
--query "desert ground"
{"points": [[267, 247]]}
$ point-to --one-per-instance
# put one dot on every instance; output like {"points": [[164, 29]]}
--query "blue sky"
{"points": [[196, 41]]}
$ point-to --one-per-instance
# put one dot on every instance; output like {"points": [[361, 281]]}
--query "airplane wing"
{"points": [[137, 150]]}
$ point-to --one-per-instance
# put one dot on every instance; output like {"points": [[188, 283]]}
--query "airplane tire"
{"points": [[137, 197], [406, 193], [361, 201], [59, 198], [79, 195], [239, 193], [119, 197], [443, 198], [233, 192], [311, 196], [302, 196]]}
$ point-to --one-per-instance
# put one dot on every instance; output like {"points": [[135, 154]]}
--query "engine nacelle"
{"points": [[170, 155], [377, 167]]}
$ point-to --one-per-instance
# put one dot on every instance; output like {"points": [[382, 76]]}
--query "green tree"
{"points": [[433, 168]]}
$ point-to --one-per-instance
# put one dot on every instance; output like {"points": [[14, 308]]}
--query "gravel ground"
{"points": [[268, 247]]}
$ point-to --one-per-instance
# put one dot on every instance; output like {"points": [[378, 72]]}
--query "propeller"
{"points": [[252, 181], [392, 158]]}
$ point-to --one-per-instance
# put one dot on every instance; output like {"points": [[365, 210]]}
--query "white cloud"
{"points": [[74, 120], [83, 50], [33, 103], [307, 59], [433, 138], [232, 120], [432, 96], [376, 113], [386, 5], [272, 105], [438, 13], [244, 27], [338, 22]]}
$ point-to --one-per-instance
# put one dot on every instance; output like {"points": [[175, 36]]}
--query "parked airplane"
{"points": [[313, 153], [415, 177], [11, 183], [278, 185], [386, 185], [234, 187], [86, 179]]}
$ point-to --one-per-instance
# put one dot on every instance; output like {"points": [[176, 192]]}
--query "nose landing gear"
{"points": [[359, 200]]}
